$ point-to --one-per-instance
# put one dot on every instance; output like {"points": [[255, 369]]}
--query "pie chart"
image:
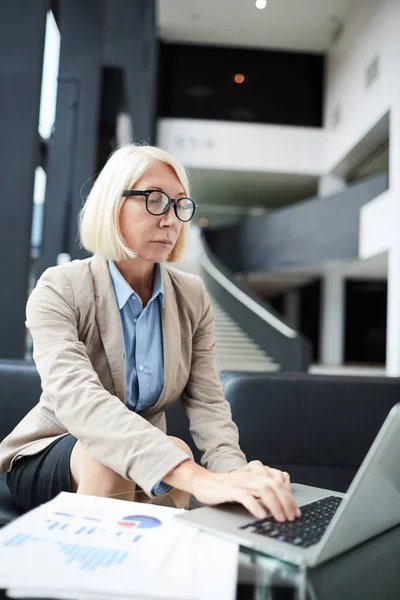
{"points": [[139, 522]]}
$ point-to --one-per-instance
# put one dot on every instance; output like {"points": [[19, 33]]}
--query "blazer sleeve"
{"points": [[209, 413], [112, 434]]}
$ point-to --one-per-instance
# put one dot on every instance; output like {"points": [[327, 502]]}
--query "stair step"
{"points": [[231, 332], [238, 347], [227, 324]]}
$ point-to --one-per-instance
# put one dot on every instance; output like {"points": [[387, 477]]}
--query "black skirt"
{"points": [[36, 479]]}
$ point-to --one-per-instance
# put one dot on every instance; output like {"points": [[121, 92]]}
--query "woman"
{"points": [[118, 337]]}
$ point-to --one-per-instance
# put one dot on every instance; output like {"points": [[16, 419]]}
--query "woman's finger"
{"points": [[266, 481], [286, 499], [279, 476], [272, 492], [274, 495], [287, 480], [252, 505], [273, 503]]}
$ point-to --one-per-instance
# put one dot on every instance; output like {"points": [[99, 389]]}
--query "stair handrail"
{"points": [[237, 293]]}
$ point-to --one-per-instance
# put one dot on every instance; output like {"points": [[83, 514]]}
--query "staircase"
{"points": [[236, 351]]}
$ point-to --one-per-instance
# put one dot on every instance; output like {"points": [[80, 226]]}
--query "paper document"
{"points": [[85, 547], [87, 543]]}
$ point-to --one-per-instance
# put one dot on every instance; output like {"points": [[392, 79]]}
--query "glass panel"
{"points": [[51, 60]]}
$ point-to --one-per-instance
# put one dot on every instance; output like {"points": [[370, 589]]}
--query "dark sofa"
{"points": [[315, 427], [19, 392], [318, 428]]}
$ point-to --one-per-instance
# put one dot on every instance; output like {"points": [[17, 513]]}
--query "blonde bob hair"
{"points": [[99, 228]]}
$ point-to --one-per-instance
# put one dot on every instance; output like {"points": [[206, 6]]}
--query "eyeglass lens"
{"points": [[157, 203]]}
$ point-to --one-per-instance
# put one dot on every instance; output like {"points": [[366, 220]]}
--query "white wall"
{"points": [[371, 28], [393, 301], [377, 225], [243, 146]]}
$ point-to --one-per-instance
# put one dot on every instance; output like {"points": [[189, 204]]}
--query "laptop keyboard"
{"points": [[305, 531]]}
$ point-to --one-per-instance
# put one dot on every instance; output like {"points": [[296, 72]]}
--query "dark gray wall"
{"points": [[22, 30], [284, 88], [307, 234], [96, 36], [130, 43], [72, 157]]}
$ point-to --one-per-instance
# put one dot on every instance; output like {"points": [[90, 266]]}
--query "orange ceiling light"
{"points": [[239, 78]]}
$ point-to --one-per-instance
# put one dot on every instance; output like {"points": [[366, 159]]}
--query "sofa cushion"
{"points": [[8, 510], [20, 390], [318, 428], [178, 426]]}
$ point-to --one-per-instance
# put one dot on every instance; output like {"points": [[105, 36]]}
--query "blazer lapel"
{"points": [[171, 338], [109, 323]]}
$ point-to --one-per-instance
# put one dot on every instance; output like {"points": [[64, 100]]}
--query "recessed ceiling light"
{"points": [[239, 78], [261, 4]]}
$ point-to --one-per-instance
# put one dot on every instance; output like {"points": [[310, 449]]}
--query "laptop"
{"points": [[331, 522]]}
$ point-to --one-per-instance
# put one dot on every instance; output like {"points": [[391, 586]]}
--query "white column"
{"points": [[393, 312], [124, 129], [330, 184], [393, 304], [332, 318], [63, 258]]}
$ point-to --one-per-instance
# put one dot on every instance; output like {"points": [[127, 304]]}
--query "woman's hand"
{"points": [[257, 467], [255, 487]]}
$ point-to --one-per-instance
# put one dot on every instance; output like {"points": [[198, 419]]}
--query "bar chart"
{"points": [[89, 558]]}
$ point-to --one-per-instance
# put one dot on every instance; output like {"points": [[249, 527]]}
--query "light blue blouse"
{"points": [[143, 344]]}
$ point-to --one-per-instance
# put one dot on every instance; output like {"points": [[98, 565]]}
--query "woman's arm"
{"points": [[114, 435], [256, 489]]}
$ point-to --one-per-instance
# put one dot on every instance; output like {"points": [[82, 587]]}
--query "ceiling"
{"points": [[377, 162], [299, 25], [240, 188]]}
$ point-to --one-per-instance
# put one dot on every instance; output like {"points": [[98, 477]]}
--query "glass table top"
{"points": [[370, 571]]}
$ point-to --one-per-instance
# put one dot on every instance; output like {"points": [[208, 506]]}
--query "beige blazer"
{"points": [[74, 320]]}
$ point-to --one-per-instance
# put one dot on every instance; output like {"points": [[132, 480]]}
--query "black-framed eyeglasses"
{"points": [[158, 203]]}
